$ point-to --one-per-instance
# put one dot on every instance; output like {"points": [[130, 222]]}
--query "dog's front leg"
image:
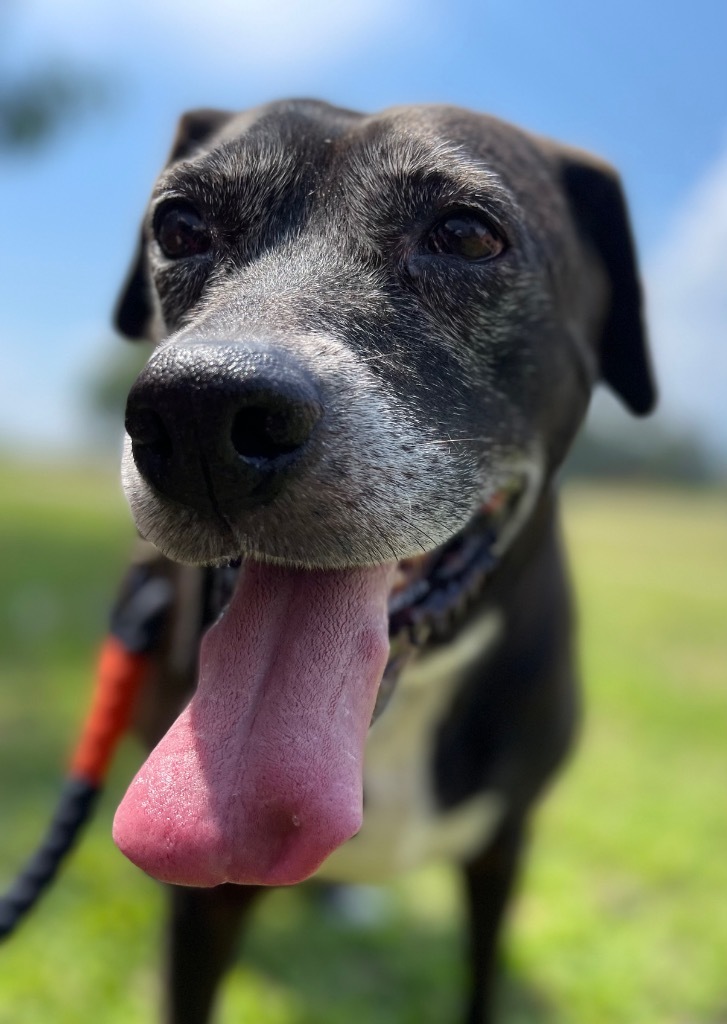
{"points": [[204, 927], [489, 882]]}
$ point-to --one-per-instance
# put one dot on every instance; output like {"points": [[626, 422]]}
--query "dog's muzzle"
{"points": [[220, 427]]}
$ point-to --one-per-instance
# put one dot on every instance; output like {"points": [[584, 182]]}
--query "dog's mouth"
{"points": [[260, 778]]}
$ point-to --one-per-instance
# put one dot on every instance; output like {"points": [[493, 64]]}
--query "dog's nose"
{"points": [[220, 428]]}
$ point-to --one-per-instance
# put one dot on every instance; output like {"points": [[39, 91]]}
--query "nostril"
{"points": [[253, 435], [270, 431], [219, 432], [146, 429]]}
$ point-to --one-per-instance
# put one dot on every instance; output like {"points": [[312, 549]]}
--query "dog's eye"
{"points": [[466, 235], [180, 231]]}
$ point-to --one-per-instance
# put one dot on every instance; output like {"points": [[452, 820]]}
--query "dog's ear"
{"points": [[134, 313], [597, 201]]}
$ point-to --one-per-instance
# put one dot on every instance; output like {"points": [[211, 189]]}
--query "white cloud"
{"points": [[687, 292], [251, 35]]}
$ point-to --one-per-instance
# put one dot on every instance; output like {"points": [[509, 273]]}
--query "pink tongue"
{"points": [[260, 778]]}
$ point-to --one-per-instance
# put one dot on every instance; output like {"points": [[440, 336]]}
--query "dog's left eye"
{"points": [[181, 231], [466, 235]]}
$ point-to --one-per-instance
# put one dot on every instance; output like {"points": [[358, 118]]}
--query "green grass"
{"points": [[623, 913]]}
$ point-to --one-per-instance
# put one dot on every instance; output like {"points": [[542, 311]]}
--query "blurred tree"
{"points": [[649, 452], [36, 102], [35, 106]]}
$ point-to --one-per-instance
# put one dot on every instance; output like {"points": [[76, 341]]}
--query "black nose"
{"points": [[220, 428]]}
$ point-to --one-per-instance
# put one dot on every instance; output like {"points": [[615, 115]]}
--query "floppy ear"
{"points": [[597, 201], [134, 313]]}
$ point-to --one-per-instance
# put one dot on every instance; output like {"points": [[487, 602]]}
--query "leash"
{"points": [[429, 600], [123, 664]]}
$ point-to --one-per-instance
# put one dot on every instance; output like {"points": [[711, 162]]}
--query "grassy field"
{"points": [[623, 913]]}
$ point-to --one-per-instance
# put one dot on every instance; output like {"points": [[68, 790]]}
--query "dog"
{"points": [[375, 340]]}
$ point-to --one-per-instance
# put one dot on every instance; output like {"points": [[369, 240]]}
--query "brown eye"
{"points": [[466, 235], [180, 231]]}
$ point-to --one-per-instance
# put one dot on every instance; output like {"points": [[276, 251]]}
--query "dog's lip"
{"points": [[429, 588], [494, 514]]}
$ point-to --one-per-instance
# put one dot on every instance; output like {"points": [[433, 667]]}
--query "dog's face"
{"points": [[392, 308], [369, 328]]}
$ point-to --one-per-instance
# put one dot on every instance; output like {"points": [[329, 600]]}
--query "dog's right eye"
{"points": [[181, 231]]}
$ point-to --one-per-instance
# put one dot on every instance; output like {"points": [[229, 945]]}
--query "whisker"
{"points": [[420, 534], [450, 440], [382, 358]]}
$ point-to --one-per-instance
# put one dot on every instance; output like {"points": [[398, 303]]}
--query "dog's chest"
{"points": [[403, 826]]}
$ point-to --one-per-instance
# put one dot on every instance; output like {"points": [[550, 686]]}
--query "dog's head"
{"points": [[367, 328]]}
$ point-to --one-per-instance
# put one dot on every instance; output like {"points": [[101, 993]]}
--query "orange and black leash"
{"points": [[123, 664]]}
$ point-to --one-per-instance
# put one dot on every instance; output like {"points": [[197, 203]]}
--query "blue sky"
{"points": [[644, 84]]}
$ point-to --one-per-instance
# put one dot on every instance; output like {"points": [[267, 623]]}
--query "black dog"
{"points": [[377, 337]]}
